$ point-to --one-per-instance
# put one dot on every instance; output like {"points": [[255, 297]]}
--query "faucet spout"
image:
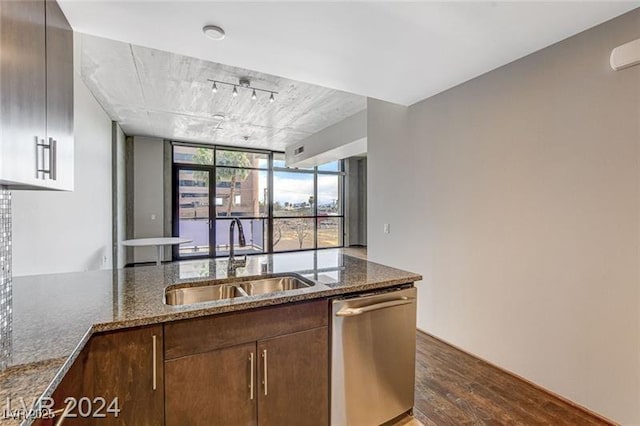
{"points": [[234, 263]]}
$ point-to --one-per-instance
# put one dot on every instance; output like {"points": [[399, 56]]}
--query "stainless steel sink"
{"points": [[189, 295], [272, 285], [241, 287]]}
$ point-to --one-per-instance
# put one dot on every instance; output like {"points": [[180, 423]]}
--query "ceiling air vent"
{"points": [[299, 150]]}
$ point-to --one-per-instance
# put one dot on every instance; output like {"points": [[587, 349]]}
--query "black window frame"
{"points": [[270, 169]]}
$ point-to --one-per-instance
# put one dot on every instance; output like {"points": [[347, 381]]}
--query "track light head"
{"points": [[243, 83]]}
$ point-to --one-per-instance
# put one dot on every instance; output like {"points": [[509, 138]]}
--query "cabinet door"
{"points": [[23, 88], [212, 388], [121, 365], [294, 379], [59, 96]]}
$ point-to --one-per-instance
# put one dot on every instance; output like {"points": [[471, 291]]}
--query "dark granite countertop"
{"points": [[54, 315]]}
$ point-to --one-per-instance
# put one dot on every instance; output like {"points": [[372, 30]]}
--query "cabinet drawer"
{"points": [[199, 335]]}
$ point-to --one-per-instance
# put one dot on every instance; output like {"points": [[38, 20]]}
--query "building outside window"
{"points": [[307, 206], [302, 208]]}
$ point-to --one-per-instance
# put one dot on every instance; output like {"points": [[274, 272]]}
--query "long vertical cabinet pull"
{"points": [[264, 363], [53, 154], [155, 368], [52, 148], [251, 362], [46, 172], [41, 171]]}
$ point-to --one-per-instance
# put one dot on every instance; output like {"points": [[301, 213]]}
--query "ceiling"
{"points": [[156, 93], [396, 51]]}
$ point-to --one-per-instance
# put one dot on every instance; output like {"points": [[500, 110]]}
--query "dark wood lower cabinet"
{"points": [[121, 365], [211, 363], [267, 367], [294, 379], [212, 388], [275, 382], [114, 365]]}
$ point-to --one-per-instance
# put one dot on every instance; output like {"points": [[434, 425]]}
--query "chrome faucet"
{"points": [[234, 263]]}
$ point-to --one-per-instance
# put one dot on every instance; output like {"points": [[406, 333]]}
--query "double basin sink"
{"points": [[242, 287]]}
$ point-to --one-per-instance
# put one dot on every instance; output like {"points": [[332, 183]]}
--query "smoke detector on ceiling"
{"points": [[213, 32]]}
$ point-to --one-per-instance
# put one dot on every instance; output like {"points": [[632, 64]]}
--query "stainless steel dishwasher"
{"points": [[373, 345]]}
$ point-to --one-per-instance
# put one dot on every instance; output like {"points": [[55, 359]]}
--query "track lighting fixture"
{"points": [[243, 83]]}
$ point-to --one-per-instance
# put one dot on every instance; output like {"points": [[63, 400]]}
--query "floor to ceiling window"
{"points": [[307, 206], [281, 209]]}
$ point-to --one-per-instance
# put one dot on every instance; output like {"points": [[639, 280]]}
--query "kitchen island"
{"points": [[54, 316]]}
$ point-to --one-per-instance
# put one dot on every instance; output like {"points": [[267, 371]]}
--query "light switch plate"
{"points": [[387, 228]]}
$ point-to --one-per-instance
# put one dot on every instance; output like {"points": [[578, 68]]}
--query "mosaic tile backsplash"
{"points": [[5, 278]]}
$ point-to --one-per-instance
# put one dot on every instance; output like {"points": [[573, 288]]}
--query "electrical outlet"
{"points": [[387, 228], [153, 217]]}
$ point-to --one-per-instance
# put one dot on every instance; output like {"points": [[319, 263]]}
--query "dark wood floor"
{"points": [[454, 388]]}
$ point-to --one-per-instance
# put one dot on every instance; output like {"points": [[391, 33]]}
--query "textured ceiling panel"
{"points": [[155, 93]]}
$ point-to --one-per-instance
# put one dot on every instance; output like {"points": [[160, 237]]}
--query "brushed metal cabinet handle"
{"points": [[155, 368], [265, 382], [41, 171], [45, 171], [53, 158], [251, 361]]}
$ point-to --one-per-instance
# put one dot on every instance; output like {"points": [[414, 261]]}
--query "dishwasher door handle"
{"points": [[350, 312]]}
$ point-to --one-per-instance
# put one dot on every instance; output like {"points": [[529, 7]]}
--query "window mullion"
{"points": [[315, 206], [269, 202]]}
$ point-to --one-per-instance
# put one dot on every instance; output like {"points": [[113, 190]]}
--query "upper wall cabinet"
{"points": [[36, 96]]}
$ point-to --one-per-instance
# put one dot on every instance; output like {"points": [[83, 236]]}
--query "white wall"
{"points": [[148, 193], [517, 196], [70, 231]]}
